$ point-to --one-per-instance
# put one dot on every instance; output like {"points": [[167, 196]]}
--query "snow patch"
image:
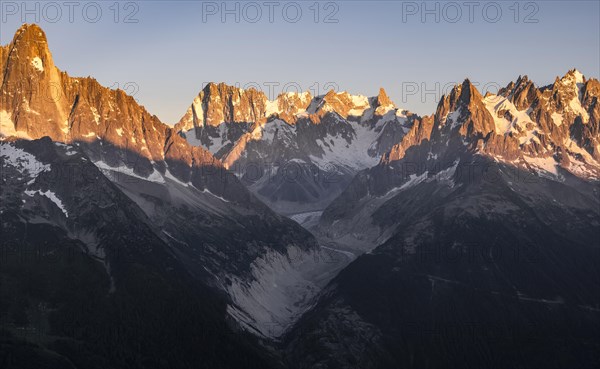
{"points": [[557, 119], [493, 104], [521, 124], [546, 164], [577, 108], [109, 171], [23, 161], [413, 180], [170, 176], [95, 115], [579, 78], [37, 63], [272, 107], [213, 195], [68, 148], [50, 195], [453, 118], [446, 174], [360, 103], [354, 155]]}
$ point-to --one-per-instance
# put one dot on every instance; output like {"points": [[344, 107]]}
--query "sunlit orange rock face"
{"points": [[238, 116], [561, 120], [39, 100], [32, 88], [558, 122], [221, 103]]}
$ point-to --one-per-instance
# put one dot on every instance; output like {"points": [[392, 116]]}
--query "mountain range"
{"points": [[298, 152], [332, 231]]}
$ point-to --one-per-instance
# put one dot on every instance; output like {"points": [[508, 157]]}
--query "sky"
{"points": [[164, 52]]}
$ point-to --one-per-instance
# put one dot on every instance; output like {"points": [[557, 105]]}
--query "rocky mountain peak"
{"points": [[522, 82], [460, 95], [330, 95], [572, 79], [522, 93], [590, 92], [38, 100], [289, 104], [31, 84], [463, 107], [324, 133], [30, 35], [575, 75], [218, 103], [212, 87], [382, 98], [30, 43], [565, 95], [546, 127], [469, 93], [382, 103], [342, 103]]}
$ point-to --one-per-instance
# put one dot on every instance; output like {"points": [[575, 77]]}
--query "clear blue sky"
{"points": [[171, 51]]}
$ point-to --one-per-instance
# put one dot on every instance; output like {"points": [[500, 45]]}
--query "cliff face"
{"points": [[419, 132], [220, 103], [558, 123], [39, 100], [32, 85], [523, 124], [298, 151]]}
